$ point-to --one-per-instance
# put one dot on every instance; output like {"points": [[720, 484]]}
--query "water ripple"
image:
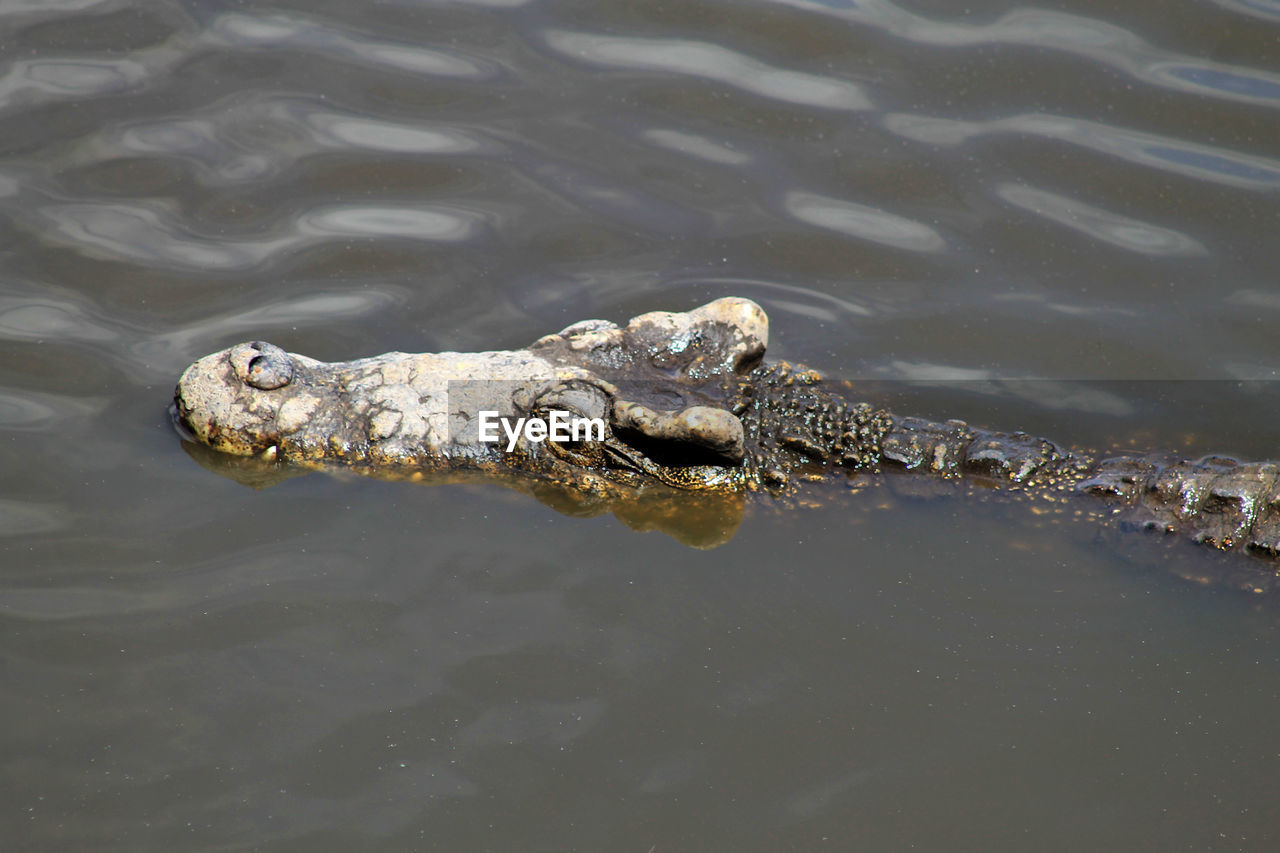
{"points": [[350, 132], [206, 142], [247, 138], [177, 347], [30, 410], [1254, 298], [150, 235], [696, 145], [863, 222], [1101, 224], [1193, 160], [20, 518], [251, 31], [61, 7], [44, 316], [1267, 9], [218, 586], [1099, 42], [607, 197], [838, 311], [146, 235], [415, 223], [709, 62], [41, 80], [1220, 80]]}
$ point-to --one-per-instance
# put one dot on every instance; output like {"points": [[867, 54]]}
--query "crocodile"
{"points": [[690, 421]]}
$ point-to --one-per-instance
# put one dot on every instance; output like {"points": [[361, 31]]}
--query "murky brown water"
{"points": [[1070, 191]]}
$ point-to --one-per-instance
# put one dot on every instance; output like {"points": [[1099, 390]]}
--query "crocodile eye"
{"points": [[262, 365], [268, 372], [579, 399]]}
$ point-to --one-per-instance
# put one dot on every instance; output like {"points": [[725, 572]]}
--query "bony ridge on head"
{"points": [[261, 365]]}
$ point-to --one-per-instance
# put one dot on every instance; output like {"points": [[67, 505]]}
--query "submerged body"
{"points": [[685, 406]]}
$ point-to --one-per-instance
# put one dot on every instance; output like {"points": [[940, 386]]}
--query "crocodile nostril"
{"points": [[262, 365]]}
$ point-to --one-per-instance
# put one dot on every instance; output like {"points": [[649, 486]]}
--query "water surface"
{"points": [[1079, 193]]}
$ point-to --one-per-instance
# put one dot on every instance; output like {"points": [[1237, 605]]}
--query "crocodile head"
{"points": [[652, 399]]}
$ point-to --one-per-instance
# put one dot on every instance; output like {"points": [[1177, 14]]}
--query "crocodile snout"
{"points": [[227, 399]]}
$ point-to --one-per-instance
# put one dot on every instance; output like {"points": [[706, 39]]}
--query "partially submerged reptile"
{"points": [[691, 422]]}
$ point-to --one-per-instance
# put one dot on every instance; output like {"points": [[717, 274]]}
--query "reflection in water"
{"points": [[1101, 224], [1185, 158], [36, 318], [203, 588], [1201, 162], [812, 305], [23, 518], [431, 224], [49, 79], [697, 145], [153, 236], [1230, 82], [254, 136], [1097, 41], [207, 144], [30, 410], [863, 222], [709, 62], [352, 132], [294, 30], [603, 195], [1265, 9], [699, 519], [181, 344]]}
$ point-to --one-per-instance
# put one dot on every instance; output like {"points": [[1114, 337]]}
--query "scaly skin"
{"points": [[690, 409], [1216, 501]]}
